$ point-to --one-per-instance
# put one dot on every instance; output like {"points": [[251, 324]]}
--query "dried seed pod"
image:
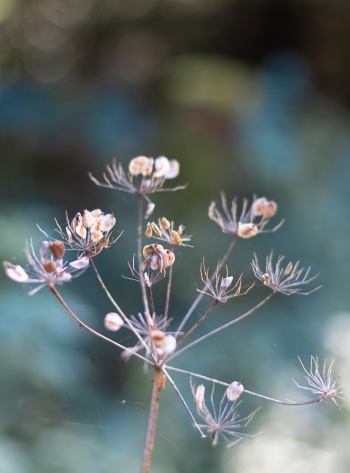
{"points": [[266, 279], [96, 236], [141, 165], [57, 249], [226, 282], [176, 237], [174, 169], [263, 207], [164, 223], [88, 219], [247, 230], [162, 166], [234, 391], [148, 231], [152, 249], [288, 269], [156, 229], [170, 257], [15, 272], [158, 337], [77, 221], [150, 208], [107, 222], [80, 231], [199, 397], [49, 266], [113, 321]]}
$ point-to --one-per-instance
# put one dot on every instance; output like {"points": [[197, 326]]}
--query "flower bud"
{"points": [[57, 249], [113, 322], [234, 391], [247, 230]]}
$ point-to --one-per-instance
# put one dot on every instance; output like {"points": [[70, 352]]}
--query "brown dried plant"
{"points": [[158, 338]]}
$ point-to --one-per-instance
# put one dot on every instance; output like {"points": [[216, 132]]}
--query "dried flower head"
{"points": [[165, 231], [47, 269], [153, 172], [287, 280], [88, 233], [223, 422], [321, 383], [157, 258], [219, 289], [251, 221], [152, 330]]}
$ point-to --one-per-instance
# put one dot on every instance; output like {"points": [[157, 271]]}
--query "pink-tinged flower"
{"points": [[47, 269]]}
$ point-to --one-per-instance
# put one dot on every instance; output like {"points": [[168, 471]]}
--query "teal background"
{"points": [[251, 98]]}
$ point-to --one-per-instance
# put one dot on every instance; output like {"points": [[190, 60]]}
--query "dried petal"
{"points": [[156, 229], [199, 396], [226, 282], [263, 207], [148, 231]]}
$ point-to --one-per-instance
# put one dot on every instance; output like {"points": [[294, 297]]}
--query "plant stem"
{"points": [[152, 420], [139, 253], [204, 316]]}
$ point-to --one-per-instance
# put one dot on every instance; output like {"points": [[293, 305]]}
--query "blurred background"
{"points": [[251, 97]]}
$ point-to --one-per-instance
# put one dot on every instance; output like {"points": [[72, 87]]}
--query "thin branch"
{"points": [[204, 316], [89, 329], [167, 297], [223, 327], [139, 254]]}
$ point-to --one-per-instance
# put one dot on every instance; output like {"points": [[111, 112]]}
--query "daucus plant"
{"points": [[159, 338]]}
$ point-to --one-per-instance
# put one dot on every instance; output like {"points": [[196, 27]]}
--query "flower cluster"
{"points": [[151, 330], [165, 231], [145, 176], [47, 269], [225, 422], [251, 222], [89, 233]]}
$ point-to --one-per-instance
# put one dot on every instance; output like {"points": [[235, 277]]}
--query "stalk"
{"points": [[152, 420], [139, 254]]}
